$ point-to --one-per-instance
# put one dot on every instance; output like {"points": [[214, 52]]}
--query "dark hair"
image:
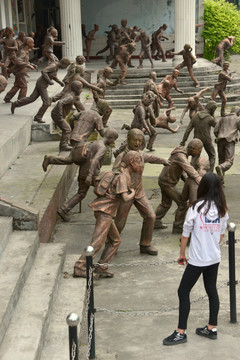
{"points": [[210, 190]]}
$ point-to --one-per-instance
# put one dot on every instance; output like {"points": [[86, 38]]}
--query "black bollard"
{"points": [[232, 280], [91, 322], [72, 321]]}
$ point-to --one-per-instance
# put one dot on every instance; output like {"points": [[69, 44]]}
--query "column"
{"points": [[8, 13], [71, 28], [2, 15], [184, 24]]}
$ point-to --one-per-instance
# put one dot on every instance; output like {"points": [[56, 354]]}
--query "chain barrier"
{"points": [[152, 312], [90, 336], [86, 303], [141, 264]]}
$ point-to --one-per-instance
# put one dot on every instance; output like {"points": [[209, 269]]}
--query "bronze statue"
{"points": [[49, 73], [135, 140], [219, 88], [165, 118], [88, 41], [3, 83], [89, 157], [112, 43], [157, 37], [20, 70], [118, 188], [202, 123], [20, 39], [10, 47], [84, 123], [189, 192], [145, 52], [193, 105], [221, 48], [150, 85], [144, 118], [122, 58], [227, 135], [167, 84], [62, 109], [77, 74], [168, 179], [188, 61], [50, 41]]}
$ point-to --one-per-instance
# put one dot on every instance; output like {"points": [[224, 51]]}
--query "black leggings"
{"points": [[189, 279]]}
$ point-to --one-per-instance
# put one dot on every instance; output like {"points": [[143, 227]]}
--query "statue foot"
{"points": [[63, 216], [197, 85], [150, 250], [40, 121], [79, 273], [102, 272], [157, 58], [13, 106], [219, 172], [45, 163], [176, 230], [6, 101], [159, 225], [66, 148], [123, 82], [131, 66], [164, 60], [140, 66]]}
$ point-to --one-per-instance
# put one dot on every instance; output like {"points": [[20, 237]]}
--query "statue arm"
{"points": [[151, 159], [96, 161], [184, 113], [187, 132], [90, 86]]}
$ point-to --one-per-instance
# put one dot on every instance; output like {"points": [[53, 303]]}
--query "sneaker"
{"points": [[63, 215], [175, 339], [207, 333]]}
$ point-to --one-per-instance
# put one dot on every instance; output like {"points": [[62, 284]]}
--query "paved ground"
{"points": [[138, 307]]}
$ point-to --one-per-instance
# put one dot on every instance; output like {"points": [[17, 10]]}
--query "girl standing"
{"points": [[206, 221]]}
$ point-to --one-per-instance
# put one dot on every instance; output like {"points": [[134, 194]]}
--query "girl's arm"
{"points": [[221, 237], [182, 257]]}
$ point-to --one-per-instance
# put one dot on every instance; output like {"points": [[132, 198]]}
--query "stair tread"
{"points": [[26, 331], [14, 268]]}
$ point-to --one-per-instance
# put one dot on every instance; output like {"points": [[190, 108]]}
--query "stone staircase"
{"points": [[31, 268], [127, 96]]}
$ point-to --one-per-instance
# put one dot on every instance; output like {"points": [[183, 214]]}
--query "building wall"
{"points": [[146, 14]]}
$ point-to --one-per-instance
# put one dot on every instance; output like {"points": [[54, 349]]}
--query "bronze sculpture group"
{"points": [[123, 185]]}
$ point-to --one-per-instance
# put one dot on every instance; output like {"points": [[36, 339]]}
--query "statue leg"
{"points": [[46, 103], [209, 148], [66, 131], [22, 83], [163, 54], [77, 198], [224, 101], [146, 211], [111, 245], [194, 79], [153, 135], [102, 226], [169, 100], [164, 206], [226, 151]]}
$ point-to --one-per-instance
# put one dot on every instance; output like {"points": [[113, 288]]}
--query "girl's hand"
{"points": [[182, 260]]}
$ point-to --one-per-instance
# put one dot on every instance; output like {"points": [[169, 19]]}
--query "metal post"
{"points": [[72, 321], [91, 322], [232, 280]]}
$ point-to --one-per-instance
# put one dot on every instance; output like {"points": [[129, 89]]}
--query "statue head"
{"points": [[164, 26], [153, 75], [135, 139], [235, 110], [29, 42], [211, 107], [124, 22], [175, 73], [142, 33], [187, 47], [148, 97], [191, 102], [107, 72], [76, 87], [96, 27], [79, 70], [80, 59], [65, 62], [134, 159], [21, 35], [166, 84], [115, 28], [194, 147], [226, 65], [111, 135]]}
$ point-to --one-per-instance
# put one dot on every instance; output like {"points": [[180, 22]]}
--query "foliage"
{"points": [[221, 19]]}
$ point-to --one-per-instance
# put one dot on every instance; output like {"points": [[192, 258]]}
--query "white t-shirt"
{"points": [[204, 249]]}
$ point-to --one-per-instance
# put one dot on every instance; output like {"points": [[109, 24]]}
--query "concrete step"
{"points": [[30, 195], [15, 265], [27, 331], [5, 231], [70, 298]]}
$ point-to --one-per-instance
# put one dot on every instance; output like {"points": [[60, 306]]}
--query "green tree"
{"points": [[221, 19]]}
